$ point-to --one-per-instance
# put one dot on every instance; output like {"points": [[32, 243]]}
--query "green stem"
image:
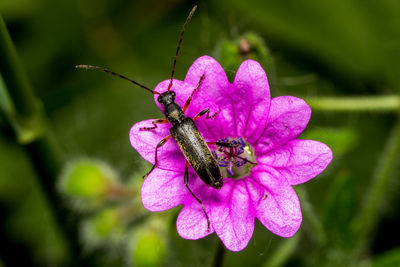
{"points": [[283, 252], [389, 103], [14, 76], [21, 108], [220, 252], [24, 113], [375, 194], [311, 217]]}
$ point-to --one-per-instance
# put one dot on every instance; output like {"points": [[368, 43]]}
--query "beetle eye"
{"points": [[159, 98], [172, 93]]}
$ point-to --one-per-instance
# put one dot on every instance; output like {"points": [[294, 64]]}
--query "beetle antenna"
{"points": [[180, 43], [90, 67]]}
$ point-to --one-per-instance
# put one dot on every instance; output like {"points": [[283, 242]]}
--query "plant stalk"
{"points": [[375, 194], [219, 256], [24, 113], [390, 103]]}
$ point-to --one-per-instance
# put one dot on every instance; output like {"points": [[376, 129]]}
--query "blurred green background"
{"points": [[316, 50]]}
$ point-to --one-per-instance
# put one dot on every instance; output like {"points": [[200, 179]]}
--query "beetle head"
{"points": [[166, 98]]}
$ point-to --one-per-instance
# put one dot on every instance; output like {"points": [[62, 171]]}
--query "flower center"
{"points": [[234, 156]]}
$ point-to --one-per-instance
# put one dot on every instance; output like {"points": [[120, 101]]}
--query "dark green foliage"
{"points": [[315, 49]]}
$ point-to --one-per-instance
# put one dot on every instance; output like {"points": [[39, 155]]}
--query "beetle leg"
{"points": [[160, 144], [198, 200], [155, 122], [206, 111], [187, 103]]}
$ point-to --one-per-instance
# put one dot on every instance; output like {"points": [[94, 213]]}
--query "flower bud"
{"points": [[248, 46], [103, 228], [86, 181], [147, 244]]}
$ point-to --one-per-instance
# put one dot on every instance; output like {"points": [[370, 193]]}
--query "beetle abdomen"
{"points": [[197, 152]]}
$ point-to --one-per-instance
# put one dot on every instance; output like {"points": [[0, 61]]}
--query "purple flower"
{"points": [[265, 158]]}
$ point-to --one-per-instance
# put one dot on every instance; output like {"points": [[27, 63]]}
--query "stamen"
{"points": [[241, 141], [233, 155], [223, 163]]}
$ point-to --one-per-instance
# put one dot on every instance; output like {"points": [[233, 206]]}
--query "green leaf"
{"points": [[387, 259]]}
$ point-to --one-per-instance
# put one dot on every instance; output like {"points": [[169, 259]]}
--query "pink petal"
{"points": [[232, 217], [278, 209], [299, 160], [215, 81], [250, 100], [162, 190], [170, 156], [217, 86], [288, 117], [243, 104], [192, 222]]}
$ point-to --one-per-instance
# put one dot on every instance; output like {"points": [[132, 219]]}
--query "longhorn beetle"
{"points": [[183, 129]]}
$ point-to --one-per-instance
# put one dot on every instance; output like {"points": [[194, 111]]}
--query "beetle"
{"points": [[183, 130]]}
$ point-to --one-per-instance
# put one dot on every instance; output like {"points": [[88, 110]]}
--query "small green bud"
{"points": [[87, 181], [104, 222], [104, 227], [85, 178], [147, 244], [149, 251], [248, 46], [253, 46]]}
